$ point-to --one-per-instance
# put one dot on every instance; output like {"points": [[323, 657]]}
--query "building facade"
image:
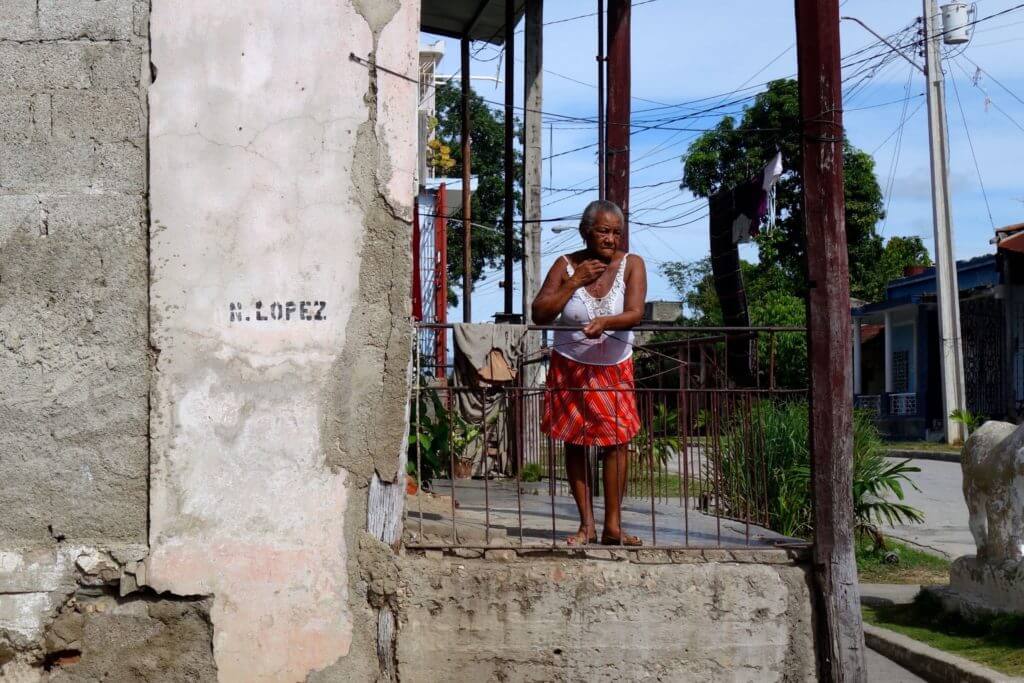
{"points": [[897, 375]]}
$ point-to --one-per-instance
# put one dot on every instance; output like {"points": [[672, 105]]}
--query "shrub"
{"points": [[765, 463], [532, 471]]}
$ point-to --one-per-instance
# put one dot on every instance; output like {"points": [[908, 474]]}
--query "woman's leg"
{"points": [[616, 469], [576, 468]]}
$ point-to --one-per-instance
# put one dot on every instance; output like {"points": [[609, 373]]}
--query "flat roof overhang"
{"points": [[482, 20]]}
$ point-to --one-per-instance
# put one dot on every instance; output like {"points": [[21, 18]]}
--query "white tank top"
{"points": [[614, 346]]}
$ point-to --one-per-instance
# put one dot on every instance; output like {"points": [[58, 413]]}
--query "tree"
{"points": [[899, 254], [488, 158], [730, 154]]}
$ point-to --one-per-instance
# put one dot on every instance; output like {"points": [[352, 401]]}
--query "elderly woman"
{"points": [[599, 291]]}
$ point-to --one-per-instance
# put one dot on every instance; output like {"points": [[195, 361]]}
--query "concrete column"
{"points": [[888, 352], [856, 357], [912, 375]]}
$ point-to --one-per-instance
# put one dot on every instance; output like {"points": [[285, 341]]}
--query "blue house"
{"points": [[896, 347]]}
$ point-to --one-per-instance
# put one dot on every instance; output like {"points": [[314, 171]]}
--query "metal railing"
{"points": [[698, 472], [871, 403], [903, 405]]}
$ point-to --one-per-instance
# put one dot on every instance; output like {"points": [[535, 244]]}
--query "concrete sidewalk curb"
{"points": [[923, 455], [926, 661]]}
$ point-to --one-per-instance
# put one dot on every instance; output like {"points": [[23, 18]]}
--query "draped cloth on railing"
{"points": [[487, 358]]}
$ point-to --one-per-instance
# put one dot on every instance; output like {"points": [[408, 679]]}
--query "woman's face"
{"points": [[604, 236]]}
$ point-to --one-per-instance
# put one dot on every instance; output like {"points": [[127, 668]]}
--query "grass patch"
{"points": [[666, 485], [930, 446], [996, 642], [911, 566]]}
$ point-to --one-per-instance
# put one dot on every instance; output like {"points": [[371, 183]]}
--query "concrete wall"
{"points": [[641, 617], [73, 347], [74, 354], [282, 177]]}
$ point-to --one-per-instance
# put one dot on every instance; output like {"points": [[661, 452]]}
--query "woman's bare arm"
{"points": [[559, 286], [633, 304]]}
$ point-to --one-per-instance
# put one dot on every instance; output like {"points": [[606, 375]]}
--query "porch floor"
{"points": [[545, 517]]}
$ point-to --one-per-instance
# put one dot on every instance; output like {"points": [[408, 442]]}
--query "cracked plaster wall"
{"points": [[281, 171]]}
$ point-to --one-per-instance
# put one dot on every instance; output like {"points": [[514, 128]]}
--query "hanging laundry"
{"points": [[754, 202], [487, 358]]}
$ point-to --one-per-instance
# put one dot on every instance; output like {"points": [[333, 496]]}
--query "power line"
{"points": [[970, 143], [994, 80], [894, 162], [988, 97]]}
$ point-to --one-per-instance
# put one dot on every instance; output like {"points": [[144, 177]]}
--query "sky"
{"points": [[684, 51]]}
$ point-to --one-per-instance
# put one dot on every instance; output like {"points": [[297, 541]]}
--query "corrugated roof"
{"points": [[474, 19]]}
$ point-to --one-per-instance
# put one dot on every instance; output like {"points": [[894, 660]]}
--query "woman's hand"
{"points": [[595, 328], [587, 272]]}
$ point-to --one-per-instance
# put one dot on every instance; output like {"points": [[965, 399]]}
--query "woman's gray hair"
{"points": [[599, 206]]}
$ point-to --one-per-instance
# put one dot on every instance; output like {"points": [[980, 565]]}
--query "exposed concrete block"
{"points": [[140, 21], [647, 556], [37, 67], [70, 165], [505, 555], [717, 555], [42, 116], [95, 20], [73, 300], [20, 212], [104, 115], [15, 115], [18, 20]]}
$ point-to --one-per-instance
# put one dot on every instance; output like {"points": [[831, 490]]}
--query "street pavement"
{"points": [[941, 499]]}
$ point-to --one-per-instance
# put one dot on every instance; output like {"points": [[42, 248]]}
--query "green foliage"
{"points": [[436, 435], [777, 435], [899, 254], [663, 439], [532, 471], [969, 420], [898, 563], [731, 153], [782, 309], [994, 641], [488, 158]]}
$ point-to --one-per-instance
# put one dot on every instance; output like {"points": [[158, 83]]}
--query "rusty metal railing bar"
{"points": [[642, 328]]}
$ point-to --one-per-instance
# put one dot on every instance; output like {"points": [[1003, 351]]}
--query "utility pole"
{"points": [[510, 61], [948, 290], [533, 132], [467, 195], [617, 122], [840, 631], [532, 161]]}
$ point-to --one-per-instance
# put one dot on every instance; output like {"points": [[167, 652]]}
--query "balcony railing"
{"points": [[871, 403], [701, 470], [903, 405]]}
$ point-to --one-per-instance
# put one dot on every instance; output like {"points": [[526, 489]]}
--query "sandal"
{"points": [[577, 540], [625, 540]]}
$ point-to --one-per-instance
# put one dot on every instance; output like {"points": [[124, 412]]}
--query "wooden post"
{"points": [[602, 130], [840, 644], [617, 122], [467, 195]]}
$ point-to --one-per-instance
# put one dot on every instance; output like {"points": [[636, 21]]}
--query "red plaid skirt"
{"points": [[602, 414]]}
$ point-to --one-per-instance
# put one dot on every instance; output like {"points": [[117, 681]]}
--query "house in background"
{"points": [[897, 373]]}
